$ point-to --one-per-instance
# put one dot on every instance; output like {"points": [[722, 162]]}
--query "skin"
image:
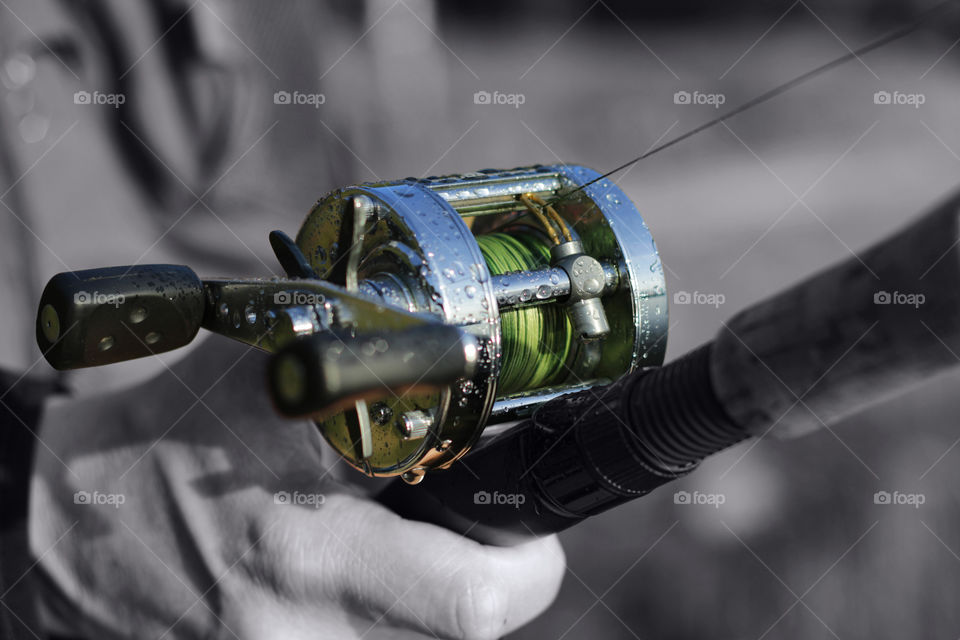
{"points": [[199, 547]]}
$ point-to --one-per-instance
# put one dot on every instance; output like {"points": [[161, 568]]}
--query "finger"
{"points": [[429, 579]]}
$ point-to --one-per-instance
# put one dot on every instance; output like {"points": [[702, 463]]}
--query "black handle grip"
{"points": [[579, 455], [320, 371], [101, 316], [847, 337]]}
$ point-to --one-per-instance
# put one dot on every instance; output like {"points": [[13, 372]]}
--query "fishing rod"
{"points": [[419, 316]]}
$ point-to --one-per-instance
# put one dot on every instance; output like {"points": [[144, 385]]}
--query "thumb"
{"points": [[418, 576]]}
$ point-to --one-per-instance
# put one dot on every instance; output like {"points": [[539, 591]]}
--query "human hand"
{"points": [[184, 508]]}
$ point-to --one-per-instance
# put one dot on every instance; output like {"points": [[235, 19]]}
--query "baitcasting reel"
{"points": [[415, 312]]}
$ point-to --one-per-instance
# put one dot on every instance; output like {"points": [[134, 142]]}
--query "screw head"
{"points": [[50, 323]]}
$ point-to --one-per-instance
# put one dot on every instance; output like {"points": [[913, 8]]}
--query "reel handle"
{"points": [[322, 372], [102, 316]]}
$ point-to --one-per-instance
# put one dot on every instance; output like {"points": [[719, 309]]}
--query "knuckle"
{"points": [[480, 604], [352, 572]]}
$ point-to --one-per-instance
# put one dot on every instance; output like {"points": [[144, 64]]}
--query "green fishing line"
{"points": [[536, 341]]}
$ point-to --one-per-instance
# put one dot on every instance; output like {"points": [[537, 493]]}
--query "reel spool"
{"points": [[558, 298]]}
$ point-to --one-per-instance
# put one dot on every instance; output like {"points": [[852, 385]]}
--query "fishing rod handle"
{"points": [[579, 455], [837, 342]]}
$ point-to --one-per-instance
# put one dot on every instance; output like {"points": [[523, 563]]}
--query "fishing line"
{"points": [[536, 341], [776, 91]]}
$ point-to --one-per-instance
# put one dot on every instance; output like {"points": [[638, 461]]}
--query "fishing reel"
{"points": [[415, 313]]}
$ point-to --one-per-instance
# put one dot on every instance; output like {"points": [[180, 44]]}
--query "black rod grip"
{"points": [[101, 316], [578, 456], [849, 336]]}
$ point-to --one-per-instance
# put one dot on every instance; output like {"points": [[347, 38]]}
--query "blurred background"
{"points": [[200, 161]]}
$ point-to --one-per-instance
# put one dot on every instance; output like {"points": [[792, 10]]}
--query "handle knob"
{"points": [[321, 371], [101, 316]]}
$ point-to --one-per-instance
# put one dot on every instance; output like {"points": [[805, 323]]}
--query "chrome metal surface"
{"points": [[415, 425], [266, 313], [530, 287], [605, 210], [416, 253], [527, 288], [523, 405], [491, 191], [418, 250]]}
